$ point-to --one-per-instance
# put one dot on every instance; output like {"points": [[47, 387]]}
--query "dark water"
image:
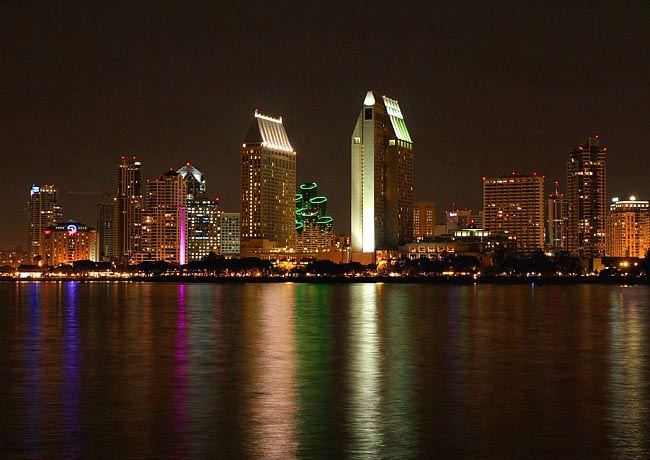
{"points": [[323, 371]]}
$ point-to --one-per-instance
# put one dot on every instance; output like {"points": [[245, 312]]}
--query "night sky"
{"points": [[486, 88]]}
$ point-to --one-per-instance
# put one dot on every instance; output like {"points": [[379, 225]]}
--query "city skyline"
{"points": [[489, 89]]}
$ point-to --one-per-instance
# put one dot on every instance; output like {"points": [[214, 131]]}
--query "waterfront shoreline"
{"points": [[451, 280]]}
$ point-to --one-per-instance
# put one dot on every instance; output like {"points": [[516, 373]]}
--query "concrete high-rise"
{"points": [[268, 184], [44, 211], [586, 198], [629, 228], [557, 221], [229, 229], [164, 222], [128, 209], [382, 178], [514, 205]]}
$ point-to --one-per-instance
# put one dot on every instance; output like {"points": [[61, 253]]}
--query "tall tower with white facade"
{"points": [[382, 178]]}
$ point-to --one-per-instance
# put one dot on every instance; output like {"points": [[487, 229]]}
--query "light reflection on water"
{"points": [[121, 370], [628, 359], [365, 400]]}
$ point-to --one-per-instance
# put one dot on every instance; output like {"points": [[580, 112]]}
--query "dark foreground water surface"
{"points": [[124, 370]]}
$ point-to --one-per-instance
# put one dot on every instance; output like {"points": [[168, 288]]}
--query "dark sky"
{"points": [[485, 87]]}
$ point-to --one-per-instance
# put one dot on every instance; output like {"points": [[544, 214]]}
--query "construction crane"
{"points": [[75, 192]]}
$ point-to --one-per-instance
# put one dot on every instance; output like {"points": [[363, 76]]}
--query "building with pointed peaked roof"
{"points": [[194, 180], [382, 178], [268, 184]]}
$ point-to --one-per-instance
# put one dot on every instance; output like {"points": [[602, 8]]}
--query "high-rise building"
{"points": [[629, 228], [557, 221], [203, 215], [106, 229], [203, 226], [128, 209], [44, 211], [313, 225], [586, 198], [514, 205], [424, 220], [382, 178], [268, 184], [70, 242], [229, 233], [194, 180], [164, 223]]}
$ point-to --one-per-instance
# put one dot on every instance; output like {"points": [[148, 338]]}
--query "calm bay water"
{"points": [[121, 370]]}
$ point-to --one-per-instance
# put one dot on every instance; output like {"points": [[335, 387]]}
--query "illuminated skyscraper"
{"points": [[557, 221], [586, 198], [514, 205], [424, 220], [128, 209], [44, 211], [382, 178], [203, 215], [268, 184], [629, 228], [164, 223], [203, 224], [194, 180]]}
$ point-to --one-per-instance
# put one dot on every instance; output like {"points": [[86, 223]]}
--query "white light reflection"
{"points": [[364, 416]]}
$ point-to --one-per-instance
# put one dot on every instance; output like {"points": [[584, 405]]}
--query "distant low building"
{"points": [[456, 219], [313, 225], [475, 242]]}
